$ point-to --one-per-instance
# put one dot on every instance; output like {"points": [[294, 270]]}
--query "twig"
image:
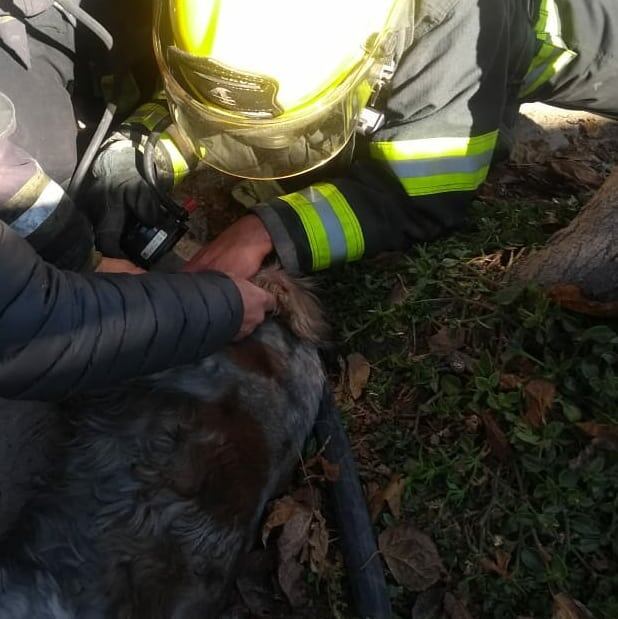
{"points": [[585, 563], [487, 513], [371, 558]]}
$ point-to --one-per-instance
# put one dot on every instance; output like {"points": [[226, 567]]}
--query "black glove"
{"points": [[118, 195]]}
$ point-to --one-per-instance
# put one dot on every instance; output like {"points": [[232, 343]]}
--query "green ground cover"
{"points": [[492, 412]]}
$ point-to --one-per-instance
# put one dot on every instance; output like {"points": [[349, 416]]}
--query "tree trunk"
{"points": [[584, 253]]}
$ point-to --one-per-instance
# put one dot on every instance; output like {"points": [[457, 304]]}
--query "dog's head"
{"points": [[297, 305]]}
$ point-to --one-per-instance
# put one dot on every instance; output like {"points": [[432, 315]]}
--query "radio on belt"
{"points": [[145, 245]]}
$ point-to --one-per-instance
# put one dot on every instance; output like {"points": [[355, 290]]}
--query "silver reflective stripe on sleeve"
{"points": [[44, 205], [332, 225]]}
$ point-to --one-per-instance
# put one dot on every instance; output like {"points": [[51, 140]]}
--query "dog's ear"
{"points": [[297, 305]]}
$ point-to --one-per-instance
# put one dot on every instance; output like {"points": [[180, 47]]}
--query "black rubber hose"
{"points": [[358, 544], [88, 21], [93, 146], [105, 123]]}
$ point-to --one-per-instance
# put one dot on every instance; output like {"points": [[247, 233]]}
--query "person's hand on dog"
{"points": [[118, 265], [256, 304], [238, 251]]}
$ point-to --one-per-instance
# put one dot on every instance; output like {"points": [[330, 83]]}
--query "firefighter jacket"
{"points": [[464, 68], [62, 330]]}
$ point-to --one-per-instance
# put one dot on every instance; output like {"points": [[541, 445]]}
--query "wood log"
{"points": [[584, 253]]}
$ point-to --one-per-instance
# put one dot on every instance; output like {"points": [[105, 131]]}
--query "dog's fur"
{"points": [[165, 481]]}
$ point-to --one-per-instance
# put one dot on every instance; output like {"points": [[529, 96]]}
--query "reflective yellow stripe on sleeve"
{"points": [[149, 116], [333, 231], [438, 165], [314, 229], [552, 53]]}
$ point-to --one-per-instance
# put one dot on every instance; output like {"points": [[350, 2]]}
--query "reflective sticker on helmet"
{"points": [[227, 88]]}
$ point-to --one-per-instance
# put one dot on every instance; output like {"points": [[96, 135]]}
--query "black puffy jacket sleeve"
{"points": [[63, 332]]}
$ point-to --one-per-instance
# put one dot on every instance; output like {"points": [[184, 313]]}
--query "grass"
{"points": [[548, 501]]}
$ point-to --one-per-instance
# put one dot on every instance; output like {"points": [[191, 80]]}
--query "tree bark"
{"points": [[584, 253]]}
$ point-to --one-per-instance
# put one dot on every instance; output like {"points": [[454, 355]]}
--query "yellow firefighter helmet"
{"points": [[272, 88]]}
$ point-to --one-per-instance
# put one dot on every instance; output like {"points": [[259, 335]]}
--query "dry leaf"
{"points": [[445, 341], [509, 382], [295, 535], [572, 298], [454, 608], [496, 439], [308, 496], [376, 501], [501, 564], [473, 423], [329, 470], [390, 495], [393, 494], [332, 471], [398, 293], [411, 556], [428, 604], [318, 545], [565, 607], [282, 511], [577, 171], [372, 491], [291, 578], [358, 374], [604, 435], [539, 395]]}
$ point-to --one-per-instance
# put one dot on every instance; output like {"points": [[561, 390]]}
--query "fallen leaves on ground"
{"points": [[445, 341], [295, 535], [411, 556], [565, 607], [317, 548], [498, 565], [391, 495], [577, 172], [398, 294], [510, 382], [496, 439], [572, 298], [303, 541], [327, 471], [454, 608], [604, 435], [281, 512], [291, 579], [429, 604], [539, 395], [436, 603], [358, 374]]}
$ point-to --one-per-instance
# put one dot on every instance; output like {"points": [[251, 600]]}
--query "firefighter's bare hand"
{"points": [[238, 251], [257, 303], [118, 265]]}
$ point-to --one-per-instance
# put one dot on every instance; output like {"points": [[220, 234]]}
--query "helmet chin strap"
{"points": [[372, 117], [72, 10]]}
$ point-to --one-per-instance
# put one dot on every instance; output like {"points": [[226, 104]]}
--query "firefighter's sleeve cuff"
{"points": [[283, 242], [315, 228]]}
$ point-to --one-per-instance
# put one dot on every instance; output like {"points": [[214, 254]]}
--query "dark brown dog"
{"points": [[165, 481]]}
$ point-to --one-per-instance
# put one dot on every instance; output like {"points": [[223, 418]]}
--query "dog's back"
{"points": [[163, 487]]}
